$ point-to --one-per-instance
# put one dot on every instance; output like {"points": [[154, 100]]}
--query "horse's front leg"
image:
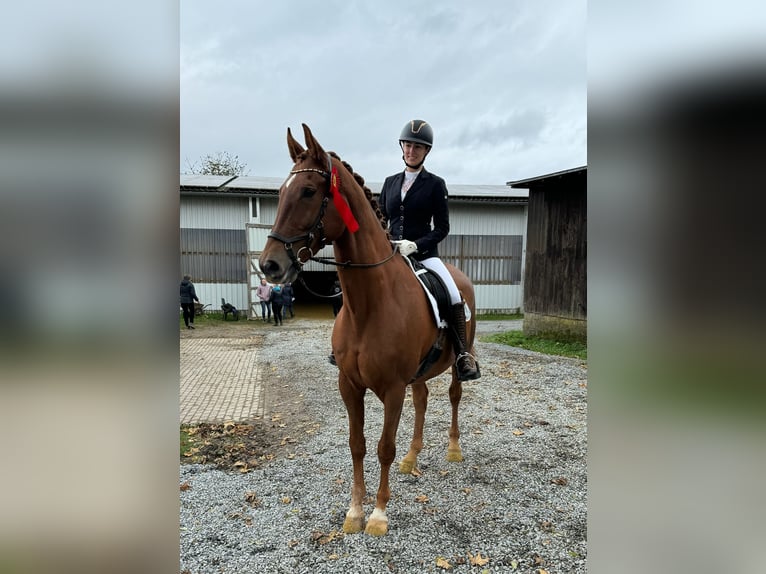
{"points": [[353, 398], [454, 452], [420, 402], [377, 525]]}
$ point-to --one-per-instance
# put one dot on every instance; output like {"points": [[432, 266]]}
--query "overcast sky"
{"points": [[502, 83]]}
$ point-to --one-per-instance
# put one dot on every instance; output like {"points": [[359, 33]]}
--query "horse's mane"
{"points": [[367, 193]]}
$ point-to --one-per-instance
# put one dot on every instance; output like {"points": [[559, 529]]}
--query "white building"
{"points": [[225, 221]]}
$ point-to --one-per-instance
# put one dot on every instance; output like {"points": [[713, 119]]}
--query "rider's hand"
{"points": [[407, 247]]}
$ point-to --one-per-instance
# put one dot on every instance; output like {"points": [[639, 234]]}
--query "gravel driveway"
{"points": [[516, 504]]}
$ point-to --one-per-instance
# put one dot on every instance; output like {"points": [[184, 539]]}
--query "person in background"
{"points": [[276, 303], [188, 297], [287, 299], [414, 203], [263, 292]]}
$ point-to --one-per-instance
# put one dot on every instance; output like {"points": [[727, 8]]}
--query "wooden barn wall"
{"points": [[555, 278]]}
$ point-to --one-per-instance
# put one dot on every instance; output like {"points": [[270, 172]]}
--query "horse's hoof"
{"points": [[454, 455], [352, 525], [376, 527], [406, 466]]}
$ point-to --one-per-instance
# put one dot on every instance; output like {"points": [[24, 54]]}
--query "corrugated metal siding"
{"points": [[214, 255], [499, 298], [268, 212], [468, 219], [211, 294], [214, 212]]}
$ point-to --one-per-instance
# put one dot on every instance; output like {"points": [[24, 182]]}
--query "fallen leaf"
{"points": [[518, 432], [442, 563], [285, 500], [416, 472], [477, 560], [466, 490], [542, 571], [561, 481], [422, 498], [186, 486], [252, 499], [538, 560]]}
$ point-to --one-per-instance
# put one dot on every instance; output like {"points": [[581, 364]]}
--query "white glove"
{"points": [[407, 247]]}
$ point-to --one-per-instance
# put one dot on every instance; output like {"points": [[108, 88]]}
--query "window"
{"points": [[255, 204], [486, 259]]}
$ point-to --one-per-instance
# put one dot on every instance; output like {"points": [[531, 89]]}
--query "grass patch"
{"points": [[541, 345], [188, 445], [500, 317]]}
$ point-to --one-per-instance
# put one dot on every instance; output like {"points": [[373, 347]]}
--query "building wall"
{"points": [[555, 280], [214, 212], [469, 219]]}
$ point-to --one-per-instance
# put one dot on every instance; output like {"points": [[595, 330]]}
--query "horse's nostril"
{"points": [[270, 266]]}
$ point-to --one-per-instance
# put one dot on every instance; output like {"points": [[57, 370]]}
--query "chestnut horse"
{"points": [[385, 327]]}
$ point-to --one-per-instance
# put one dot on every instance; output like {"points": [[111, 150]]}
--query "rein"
{"points": [[318, 228]]}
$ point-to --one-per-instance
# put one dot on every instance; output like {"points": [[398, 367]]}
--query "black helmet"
{"points": [[417, 131]]}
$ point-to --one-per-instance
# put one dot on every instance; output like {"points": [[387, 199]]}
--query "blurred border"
{"points": [[677, 93], [89, 266]]}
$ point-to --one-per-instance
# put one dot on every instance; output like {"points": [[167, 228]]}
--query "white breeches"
{"points": [[437, 266]]}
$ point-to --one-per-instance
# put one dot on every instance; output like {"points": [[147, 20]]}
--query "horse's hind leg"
{"points": [[354, 401], [454, 452], [420, 402]]}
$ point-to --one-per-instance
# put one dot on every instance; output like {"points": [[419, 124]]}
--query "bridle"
{"points": [[317, 229]]}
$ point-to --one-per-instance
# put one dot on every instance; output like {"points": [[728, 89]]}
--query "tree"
{"points": [[219, 163]]}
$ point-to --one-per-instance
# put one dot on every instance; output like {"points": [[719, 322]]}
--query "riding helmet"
{"points": [[417, 131]]}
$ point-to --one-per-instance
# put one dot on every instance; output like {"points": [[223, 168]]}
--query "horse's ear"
{"points": [[315, 150], [295, 148]]}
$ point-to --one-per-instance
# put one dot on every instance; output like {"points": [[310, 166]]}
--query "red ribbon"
{"points": [[340, 203]]}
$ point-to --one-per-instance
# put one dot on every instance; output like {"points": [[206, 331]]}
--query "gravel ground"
{"points": [[516, 504]]}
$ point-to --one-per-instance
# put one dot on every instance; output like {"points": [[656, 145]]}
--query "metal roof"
{"points": [[542, 179], [255, 185]]}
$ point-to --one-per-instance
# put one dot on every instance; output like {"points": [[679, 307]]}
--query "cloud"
{"points": [[492, 78]]}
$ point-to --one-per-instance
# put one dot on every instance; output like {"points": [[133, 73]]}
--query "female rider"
{"points": [[410, 201]]}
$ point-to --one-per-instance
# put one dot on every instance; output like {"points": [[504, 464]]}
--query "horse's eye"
{"points": [[308, 192]]}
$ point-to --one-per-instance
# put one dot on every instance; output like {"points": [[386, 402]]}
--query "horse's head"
{"points": [[306, 218]]}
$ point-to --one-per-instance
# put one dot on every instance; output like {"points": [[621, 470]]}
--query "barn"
{"points": [[225, 220], [555, 280]]}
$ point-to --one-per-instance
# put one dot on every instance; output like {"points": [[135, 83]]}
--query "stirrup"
{"points": [[467, 373]]}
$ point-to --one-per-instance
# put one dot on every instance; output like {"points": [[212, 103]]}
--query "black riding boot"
{"points": [[467, 369]]}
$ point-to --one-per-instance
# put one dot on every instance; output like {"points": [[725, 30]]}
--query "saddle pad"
{"points": [[431, 284]]}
